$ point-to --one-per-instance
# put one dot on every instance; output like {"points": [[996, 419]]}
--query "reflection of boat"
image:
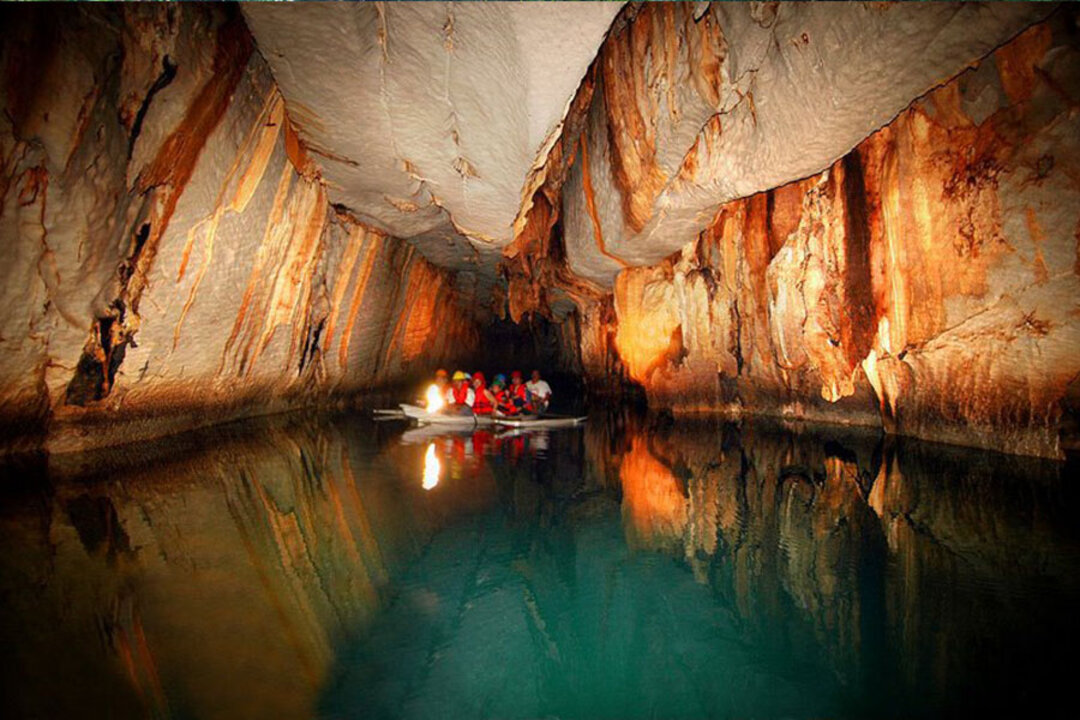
{"points": [[426, 433], [544, 421], [466, 421]]}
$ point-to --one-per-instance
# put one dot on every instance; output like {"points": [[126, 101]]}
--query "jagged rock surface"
{"points": [[694, 110], [171, 249], [173, 245], [927, 281]]}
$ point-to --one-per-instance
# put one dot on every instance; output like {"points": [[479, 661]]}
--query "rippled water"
{"points": [[308, 566]]}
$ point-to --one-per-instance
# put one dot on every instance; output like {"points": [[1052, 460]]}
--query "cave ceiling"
{"points": [[427, 118]]}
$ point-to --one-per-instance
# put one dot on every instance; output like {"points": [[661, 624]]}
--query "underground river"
{"points": [[307, 565]]}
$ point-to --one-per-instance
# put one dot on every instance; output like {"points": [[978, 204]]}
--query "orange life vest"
{"points": [[502, 402], [481, 405], [461, 395], [520, 396]]}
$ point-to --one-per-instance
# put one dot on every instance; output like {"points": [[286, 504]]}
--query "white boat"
{"points": [[422, 415]]}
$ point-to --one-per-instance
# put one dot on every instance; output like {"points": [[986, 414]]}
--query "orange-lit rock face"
{"points": [[651, 334], [180, 254], [926, 281], [172, 246]]}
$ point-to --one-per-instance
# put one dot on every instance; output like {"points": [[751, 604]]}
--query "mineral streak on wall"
{"points": [[169, 246], [926, 281]]}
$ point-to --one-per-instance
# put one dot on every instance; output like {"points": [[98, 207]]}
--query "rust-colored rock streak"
{"points": [[661, 61]]}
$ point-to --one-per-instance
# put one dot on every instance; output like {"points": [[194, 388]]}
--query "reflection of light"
{"points": [[431, 468], [654, 508], [434, 399]]}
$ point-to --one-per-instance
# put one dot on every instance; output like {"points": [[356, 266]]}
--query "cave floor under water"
{"points": [[315, 566]]}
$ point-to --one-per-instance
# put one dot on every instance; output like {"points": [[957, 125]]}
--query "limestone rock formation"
{"points": [[693, 110], [926, 281], [442, 111], [863, 213], [171, 249]]}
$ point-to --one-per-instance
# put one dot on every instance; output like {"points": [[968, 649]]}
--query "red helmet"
{"points": [[479, 376], [441, 373], [516, 375]]}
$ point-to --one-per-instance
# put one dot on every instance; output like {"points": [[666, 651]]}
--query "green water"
{"points": [[310, 567]]}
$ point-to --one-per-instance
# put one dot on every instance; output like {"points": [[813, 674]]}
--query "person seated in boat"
{"points": [[519, 394], [503, 406], [461, 397], [485, 399], [540, 392]]}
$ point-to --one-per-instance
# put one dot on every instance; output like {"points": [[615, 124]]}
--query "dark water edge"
{"points": [[295, 566]]}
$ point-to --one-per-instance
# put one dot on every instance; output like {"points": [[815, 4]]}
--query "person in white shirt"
{"points": [[540, 391]]}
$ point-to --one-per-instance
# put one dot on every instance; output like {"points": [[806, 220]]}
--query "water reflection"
{"points": [[306, 566], [432, 468]]}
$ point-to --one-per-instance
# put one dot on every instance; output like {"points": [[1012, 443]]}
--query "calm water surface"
{"points": [[334, 567]]}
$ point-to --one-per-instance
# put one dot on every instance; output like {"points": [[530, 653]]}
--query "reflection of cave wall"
{"points": [[203, 584], [871, 549], [170, 248], [927, 281]]}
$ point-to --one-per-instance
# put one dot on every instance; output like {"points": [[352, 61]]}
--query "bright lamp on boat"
{"points": [[434, 399]]}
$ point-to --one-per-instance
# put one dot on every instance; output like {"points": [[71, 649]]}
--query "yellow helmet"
{"points": [[459, 375]]}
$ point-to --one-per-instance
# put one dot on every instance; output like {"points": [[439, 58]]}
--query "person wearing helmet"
{"points": [[485, 399], [462, 397], [519, 394]]}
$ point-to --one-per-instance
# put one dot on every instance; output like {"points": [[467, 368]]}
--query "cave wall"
{"points": [[172, 256], [926, 281], [695, 105]]}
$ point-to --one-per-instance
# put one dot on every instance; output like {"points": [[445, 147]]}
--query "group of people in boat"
{"points": [[469, 394]]}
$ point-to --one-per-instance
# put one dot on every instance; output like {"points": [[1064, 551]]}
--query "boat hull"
{"points": [[466, 421], [462, 421]]}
